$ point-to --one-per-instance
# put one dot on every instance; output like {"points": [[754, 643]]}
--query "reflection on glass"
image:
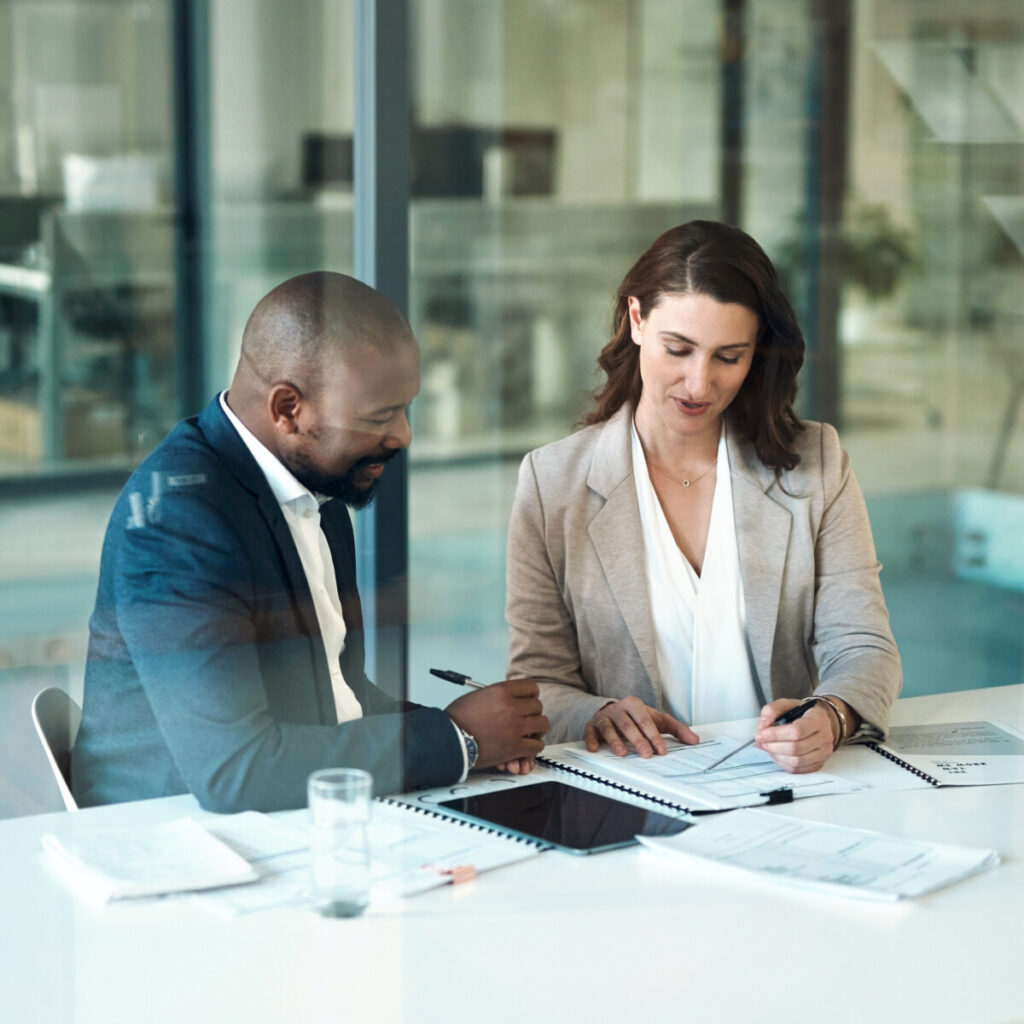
{"points": [[880, 162]]}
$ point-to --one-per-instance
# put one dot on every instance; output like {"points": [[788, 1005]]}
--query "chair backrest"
{"points": [[57, 718]]}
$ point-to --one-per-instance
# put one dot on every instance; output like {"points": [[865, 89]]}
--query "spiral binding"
{"points": [[472, 825], [590, 777], [903, 764]]}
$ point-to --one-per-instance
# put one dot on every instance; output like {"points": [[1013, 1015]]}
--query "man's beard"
{"points": [[342, 487]]}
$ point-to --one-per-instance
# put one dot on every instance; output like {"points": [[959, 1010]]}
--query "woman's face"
{"points": [[695, 353]]}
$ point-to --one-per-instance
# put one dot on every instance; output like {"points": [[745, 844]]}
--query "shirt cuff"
{"points": [[465, 752]]}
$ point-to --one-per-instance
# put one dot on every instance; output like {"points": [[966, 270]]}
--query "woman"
{"points": [[698, 553]]}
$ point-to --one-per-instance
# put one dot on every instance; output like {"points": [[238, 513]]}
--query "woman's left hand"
{"points": [[801, 746]]}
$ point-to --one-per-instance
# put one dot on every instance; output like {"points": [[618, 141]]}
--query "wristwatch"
{"points": [[472, 750]]}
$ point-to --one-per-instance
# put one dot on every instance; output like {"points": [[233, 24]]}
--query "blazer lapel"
{"points": [[617, 536], [762, 538], [224, 439]]}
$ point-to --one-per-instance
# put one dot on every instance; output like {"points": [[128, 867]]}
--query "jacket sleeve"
{"points": [[200, 638], [543, 641], [853, 645]]}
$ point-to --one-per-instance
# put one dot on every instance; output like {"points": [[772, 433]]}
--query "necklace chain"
{"points": [[685, 481]]}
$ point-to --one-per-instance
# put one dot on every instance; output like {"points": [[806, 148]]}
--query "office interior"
{"points": [[164, 163]]}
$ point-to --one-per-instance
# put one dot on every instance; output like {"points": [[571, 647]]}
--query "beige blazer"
{"points": [[578, 606]]}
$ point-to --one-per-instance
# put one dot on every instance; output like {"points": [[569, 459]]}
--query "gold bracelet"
{"points": [[844, 726], [844, 713]]}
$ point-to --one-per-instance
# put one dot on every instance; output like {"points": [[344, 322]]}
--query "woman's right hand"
{"points": [[623, 724]]}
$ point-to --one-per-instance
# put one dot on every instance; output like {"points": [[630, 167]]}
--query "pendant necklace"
{"points": [[685, 482]]}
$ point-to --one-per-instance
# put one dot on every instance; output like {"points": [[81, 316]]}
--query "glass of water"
{"points": [[339, 807]]}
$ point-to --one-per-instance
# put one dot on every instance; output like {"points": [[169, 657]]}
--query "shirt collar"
{"points": [[285, 488]]}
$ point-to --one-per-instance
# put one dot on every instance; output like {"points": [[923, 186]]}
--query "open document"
{"points": [[957, 753], [829, 858], [679, 775], [411, 851]]}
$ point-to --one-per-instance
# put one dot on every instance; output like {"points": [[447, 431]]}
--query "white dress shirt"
{"points": [[301, 511], [699, 621]]}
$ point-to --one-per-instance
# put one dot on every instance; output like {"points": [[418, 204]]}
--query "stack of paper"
{"points": [[116, 863], [831, 858]]}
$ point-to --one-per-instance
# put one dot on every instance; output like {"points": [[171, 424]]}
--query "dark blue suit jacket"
{"points": [[206, 669]]}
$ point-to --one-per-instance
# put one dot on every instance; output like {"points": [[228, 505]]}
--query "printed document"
{"points": [[828, 858], [680, 774], [961, 753]]}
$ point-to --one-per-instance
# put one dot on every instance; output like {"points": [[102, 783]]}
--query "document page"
{"points": [[961, 753], [680, 774], [831, 858], [116, 863], [410, 853]]}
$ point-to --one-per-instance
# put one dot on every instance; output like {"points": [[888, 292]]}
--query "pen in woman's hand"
{"points": [[784, 719], [456, 677]]}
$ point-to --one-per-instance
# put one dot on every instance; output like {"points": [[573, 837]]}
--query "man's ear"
{"points": [[285, 402]]}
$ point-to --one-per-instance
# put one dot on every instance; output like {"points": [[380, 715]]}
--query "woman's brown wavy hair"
{"points": [[705, 257]]}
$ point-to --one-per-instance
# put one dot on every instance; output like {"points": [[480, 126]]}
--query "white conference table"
{"points": [[617, 936]]}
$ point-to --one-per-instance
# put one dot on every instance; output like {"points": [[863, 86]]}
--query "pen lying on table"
{"points": [[784, 719], [456, 677]]}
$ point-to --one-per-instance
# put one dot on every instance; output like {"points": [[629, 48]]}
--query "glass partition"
{"points": [[875, 150], [90, 338], [874, 147], [87, 371]]}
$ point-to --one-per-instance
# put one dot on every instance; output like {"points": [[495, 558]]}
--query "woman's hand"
{"points": [[517, 766], [801, 746], [631, 723]]}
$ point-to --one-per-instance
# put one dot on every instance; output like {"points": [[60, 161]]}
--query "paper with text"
{"points": [[118, 863], [830, 858], [680, 774], [961, 753], [409, 854]]}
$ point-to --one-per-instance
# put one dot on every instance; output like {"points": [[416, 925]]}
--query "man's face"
{"points": [[355, 424]]}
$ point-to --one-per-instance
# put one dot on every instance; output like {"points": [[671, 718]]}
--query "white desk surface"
{"points": [[615, 937]]}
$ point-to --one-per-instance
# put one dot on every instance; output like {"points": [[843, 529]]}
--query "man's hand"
{"points": [[506, 720], [631, 723], [801, 746]]}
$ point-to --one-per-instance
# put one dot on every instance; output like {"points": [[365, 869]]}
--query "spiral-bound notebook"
{"points": [[957, 753], [916, 756], [680, 779], [413, 849]]}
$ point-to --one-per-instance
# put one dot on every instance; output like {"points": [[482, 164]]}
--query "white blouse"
{"points": [[699, 621]]}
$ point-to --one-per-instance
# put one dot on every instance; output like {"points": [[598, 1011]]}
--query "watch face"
{"points": [[472, 750]]}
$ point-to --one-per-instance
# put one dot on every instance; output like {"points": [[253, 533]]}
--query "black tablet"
{"points": [[566, 817]]}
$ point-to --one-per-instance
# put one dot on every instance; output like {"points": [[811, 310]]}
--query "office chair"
{"points": [[57, 718]]}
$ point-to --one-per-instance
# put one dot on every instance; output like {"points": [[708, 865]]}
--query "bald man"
{"points": [[226, 647]]}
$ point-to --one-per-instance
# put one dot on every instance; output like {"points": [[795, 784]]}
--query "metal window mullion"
{"points": [[381, 242]]}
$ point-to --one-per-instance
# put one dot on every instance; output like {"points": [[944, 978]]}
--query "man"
{"points": [[226, 646]]}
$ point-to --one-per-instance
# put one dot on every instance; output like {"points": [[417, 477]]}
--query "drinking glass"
{"points": [[339, 806]]}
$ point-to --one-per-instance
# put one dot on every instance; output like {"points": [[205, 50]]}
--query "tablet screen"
{"points": [[570, 818]]}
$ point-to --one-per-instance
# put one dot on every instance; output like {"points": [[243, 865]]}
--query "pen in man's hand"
{"points": [[784, 719], [456, 677]]}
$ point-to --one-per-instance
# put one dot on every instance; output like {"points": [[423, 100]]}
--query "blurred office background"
{"points": [[163, 163]]}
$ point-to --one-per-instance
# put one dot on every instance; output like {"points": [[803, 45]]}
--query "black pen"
{"points": [[456, 677], [784, 719]]}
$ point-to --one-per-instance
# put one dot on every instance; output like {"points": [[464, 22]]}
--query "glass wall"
{"points": [[874, 147], [875, 150], [87, 342], [92, 198]]}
